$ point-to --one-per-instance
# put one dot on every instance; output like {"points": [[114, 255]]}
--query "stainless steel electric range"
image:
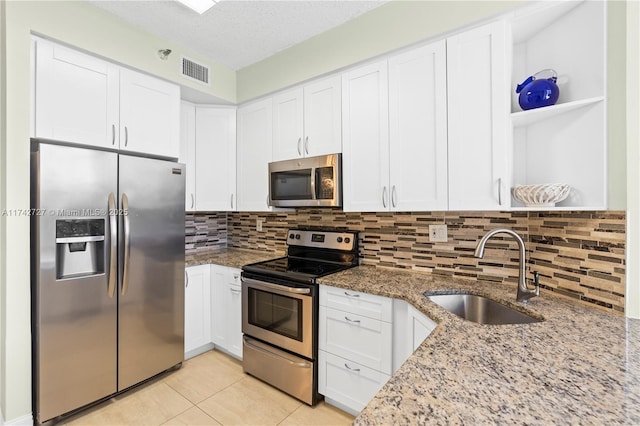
{"points": [[280, 309]]}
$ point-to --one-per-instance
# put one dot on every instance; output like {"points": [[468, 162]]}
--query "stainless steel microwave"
{"points": [[306, 182]]}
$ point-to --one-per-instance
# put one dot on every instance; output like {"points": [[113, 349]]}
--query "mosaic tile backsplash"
{"points": [[578, 254]]}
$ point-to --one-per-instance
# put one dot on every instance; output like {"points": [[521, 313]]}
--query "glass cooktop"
{"points": [[295, 268]]}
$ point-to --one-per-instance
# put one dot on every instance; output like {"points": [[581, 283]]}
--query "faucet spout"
{"points": [[524, 292]]}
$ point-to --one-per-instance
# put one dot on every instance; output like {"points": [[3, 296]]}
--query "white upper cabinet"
{"points": [[149, 115], [255, 122], [85, 100], [188, 152], [288, 125], [76, 97], [307, 121], [322, 117], [365, 138], [565, 142], [395, 133], [215, 158], [208, 148], [418, 129], [478, 107]]}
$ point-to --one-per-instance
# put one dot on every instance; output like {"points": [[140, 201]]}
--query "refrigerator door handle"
{"points": [[113, 242], [127, 243]]}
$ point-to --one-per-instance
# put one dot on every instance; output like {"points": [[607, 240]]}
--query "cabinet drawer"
{"points": [[355, 337], [347, 382], [367, 305]]}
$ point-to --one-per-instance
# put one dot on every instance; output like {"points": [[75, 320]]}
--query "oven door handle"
{"points": [[264, 351], [275, 287]]}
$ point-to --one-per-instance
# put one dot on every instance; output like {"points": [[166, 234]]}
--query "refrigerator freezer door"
{"points": [[74, 316], [151, 290]]}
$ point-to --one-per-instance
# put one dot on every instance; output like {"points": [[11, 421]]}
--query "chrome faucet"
{"points": [[524, 292]]}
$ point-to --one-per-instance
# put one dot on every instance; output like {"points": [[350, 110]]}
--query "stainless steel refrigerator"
{"points": [[107, 250]]}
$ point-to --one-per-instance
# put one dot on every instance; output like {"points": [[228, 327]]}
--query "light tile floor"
{"points": [[210, 389]]}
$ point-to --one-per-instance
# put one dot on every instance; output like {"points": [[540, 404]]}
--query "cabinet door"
{"points": [[188, 152], [76, 97], [197, 312], [234, 316], [149, 115], [418, 129], [215, 162], [323, 117], [287, 125], [478, 110], [365, 138], [420, 327], [254, 154], [219, 300]]}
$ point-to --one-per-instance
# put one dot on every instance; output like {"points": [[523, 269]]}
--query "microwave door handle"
{"points": [[314, 190]]}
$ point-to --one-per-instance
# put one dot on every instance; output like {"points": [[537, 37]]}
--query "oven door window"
{"points": [[276, 313], [291, 185]]}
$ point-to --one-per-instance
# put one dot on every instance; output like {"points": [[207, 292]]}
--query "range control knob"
{"points": [[347, 240], [297, 236], [291, 236], [339, 239]]}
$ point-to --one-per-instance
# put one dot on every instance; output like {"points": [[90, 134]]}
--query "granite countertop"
{"points": [[232, 257], [581, 365]]}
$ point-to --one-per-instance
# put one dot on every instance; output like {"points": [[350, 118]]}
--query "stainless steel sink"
{"points": [[480, 309]]}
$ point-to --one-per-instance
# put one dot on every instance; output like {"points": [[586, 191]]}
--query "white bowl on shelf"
{"points": [[541, 195]]}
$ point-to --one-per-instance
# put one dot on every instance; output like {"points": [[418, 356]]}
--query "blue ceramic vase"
{"points": [[539, 90]]}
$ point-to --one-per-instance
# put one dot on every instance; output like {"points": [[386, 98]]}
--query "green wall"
{"points": [[391, 26], [83, 26]]}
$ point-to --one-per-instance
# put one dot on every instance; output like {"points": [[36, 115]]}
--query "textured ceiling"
{"points": [[237, 33]]}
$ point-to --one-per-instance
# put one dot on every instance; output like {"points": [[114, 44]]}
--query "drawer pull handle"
{"points": [[351, 295], [353, 321], [351, 369]]}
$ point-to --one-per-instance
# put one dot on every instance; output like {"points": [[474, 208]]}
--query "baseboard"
{"points": [[198, 351], [26, 420], [341, 406]]}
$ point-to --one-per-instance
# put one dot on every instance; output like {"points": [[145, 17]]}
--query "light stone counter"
{"points": [[232, 257], [580, 365]]}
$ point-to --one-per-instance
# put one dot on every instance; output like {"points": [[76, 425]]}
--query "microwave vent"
{"points": [[194, 71]]}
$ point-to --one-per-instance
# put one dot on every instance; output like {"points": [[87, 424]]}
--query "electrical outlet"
{"points": [[259, 225], [438, 233]]}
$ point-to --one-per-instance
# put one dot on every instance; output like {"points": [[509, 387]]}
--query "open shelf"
{"points": [[529, 22], [525, 118]]}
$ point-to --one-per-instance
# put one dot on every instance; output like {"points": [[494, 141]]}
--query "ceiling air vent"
{"points": [[194, 71]]}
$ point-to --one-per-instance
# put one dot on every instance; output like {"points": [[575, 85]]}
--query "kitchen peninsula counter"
{"points": [[231, 257], [581, 365]]}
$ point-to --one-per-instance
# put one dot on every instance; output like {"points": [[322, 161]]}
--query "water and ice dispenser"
{"points": [[79, 247]]}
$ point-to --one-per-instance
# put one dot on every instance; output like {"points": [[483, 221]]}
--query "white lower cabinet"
{"points": [[410, 328], [197, 310], [362, 339], [355, 346], [347, 384], [226, 302]]}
